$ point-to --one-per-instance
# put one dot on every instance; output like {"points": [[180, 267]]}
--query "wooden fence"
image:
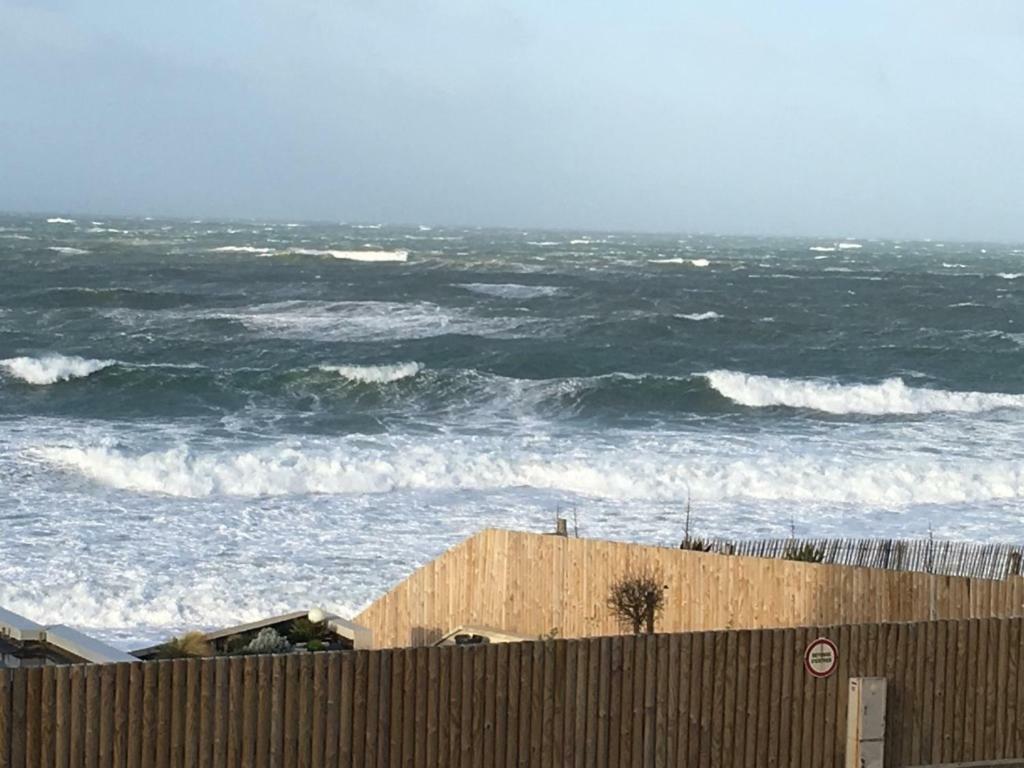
{"points": [[951, 558], [741, 698], [537, 585]]}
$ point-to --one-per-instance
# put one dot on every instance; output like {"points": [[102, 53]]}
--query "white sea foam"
{"points": [[711, 315], [67, 250], [511, 290], [1010, 275], [891, 396], [398, 255], [241, 249], [822, 248], [51, 369], [375, 374], [847, 246], [59, 220]]}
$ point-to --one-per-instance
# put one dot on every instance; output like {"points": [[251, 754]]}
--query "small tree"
{"points": [[637, 599]]}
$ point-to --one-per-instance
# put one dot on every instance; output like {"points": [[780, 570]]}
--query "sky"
{"points": [[902, 118]]}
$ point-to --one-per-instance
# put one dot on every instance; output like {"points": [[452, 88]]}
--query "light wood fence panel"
{"points": [[537, 586]]}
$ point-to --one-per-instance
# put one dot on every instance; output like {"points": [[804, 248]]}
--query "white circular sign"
{"points": [[821, 657]]}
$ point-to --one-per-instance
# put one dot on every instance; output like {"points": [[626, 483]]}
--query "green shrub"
{"points": [[302, 630], [803, 553], [189, 645]]}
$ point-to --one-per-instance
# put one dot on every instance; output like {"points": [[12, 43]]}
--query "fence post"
{"points": [[865, 723]]}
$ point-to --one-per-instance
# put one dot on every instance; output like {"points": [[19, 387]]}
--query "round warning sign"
{"points": [[821, 657]]}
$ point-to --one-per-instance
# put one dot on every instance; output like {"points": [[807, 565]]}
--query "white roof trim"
{"points": [[17, 627]]}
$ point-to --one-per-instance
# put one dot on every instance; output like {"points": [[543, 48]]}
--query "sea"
{"points": [[206, 422]]}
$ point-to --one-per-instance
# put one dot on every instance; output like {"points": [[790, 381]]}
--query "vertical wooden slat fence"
{"points": [[536, 585], [740, 698]]}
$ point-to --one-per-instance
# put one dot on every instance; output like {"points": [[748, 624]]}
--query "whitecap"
{"points": [[680, 260], [50, 369], [511, 290], [891, 396], [1010, 275], [67, 250], [59, 220], [711, 315], [849, 246], [398, 255], [375, 374], [241, 249], [822, 248]]}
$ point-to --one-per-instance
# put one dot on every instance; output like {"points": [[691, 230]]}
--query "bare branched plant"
{"points": [[637, 599]]}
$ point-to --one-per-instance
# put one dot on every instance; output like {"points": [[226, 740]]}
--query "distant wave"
{"points": [[891, 396], [511, 290], [375, 374], [398, 255], [1010, 275], [822, 248], [59, 220], [849, 246], [711, 315], [51, 369], [67, 250]]}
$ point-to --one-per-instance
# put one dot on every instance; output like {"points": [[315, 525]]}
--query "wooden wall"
{"points": [[739, 698], [535, 585]]}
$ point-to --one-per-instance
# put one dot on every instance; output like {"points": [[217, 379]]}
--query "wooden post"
{"points": [[865, 723]]}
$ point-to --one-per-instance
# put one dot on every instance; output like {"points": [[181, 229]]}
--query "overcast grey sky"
{"points": [[901, 118]]}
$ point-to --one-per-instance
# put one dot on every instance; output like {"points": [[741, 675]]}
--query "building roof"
{"points": [[57, 643]]}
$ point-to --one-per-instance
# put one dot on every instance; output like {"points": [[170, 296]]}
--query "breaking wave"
{"points": [[627, 472], [375, 374], [891, 396], [59, 220], [67, 250], [51, 369]]}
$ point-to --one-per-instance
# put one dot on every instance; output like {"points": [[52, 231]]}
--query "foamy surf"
{"points": [[51, 369], [375, 374], [891, 396]]}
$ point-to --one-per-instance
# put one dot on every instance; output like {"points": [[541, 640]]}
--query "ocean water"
{"points": [[206, 422]]}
